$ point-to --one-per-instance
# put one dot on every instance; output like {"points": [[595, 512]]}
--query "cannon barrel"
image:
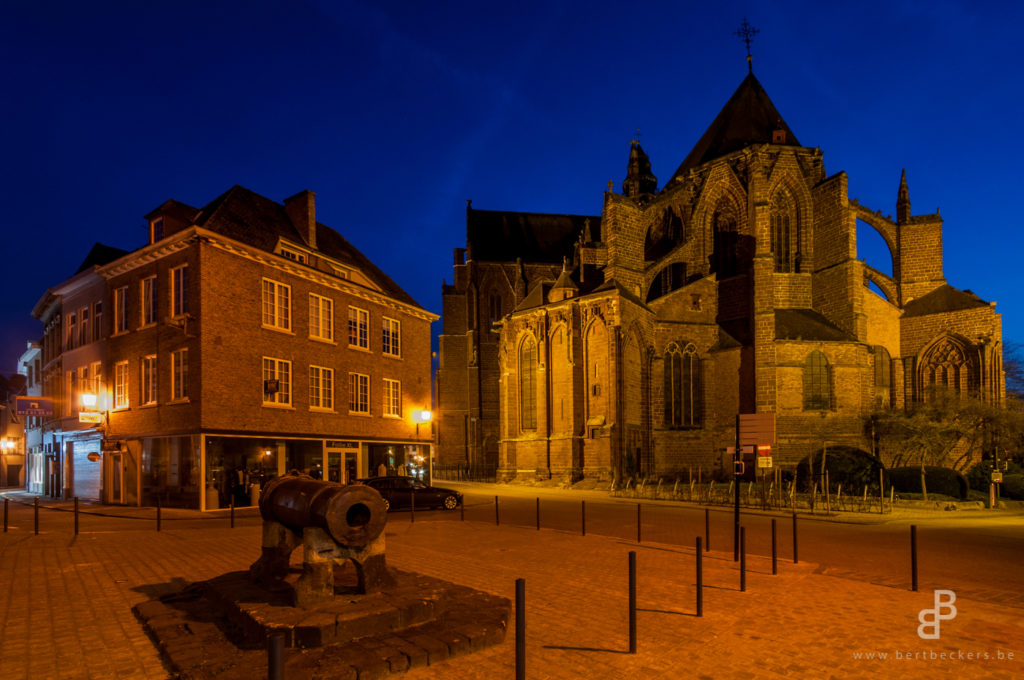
{"points": [[352, 514]]}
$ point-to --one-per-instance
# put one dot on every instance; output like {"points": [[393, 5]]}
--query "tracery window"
{"points": [[817, 390], [726, 239], [528, 384], [784, 233], [947, 365], [683, 403]]}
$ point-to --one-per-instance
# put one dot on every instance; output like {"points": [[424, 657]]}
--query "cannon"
{"points": [[334, 523]]}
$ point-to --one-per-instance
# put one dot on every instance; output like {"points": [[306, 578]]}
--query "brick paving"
{"points": [[65, 604]]}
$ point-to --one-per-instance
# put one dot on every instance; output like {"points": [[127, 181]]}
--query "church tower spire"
{"points": [[639, 180], [903, 201]]}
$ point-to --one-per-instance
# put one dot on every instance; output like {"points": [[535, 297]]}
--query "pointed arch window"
{"points": [[817, 387], [784, 233], [683, 402], [528, 384], [883, 375], [948, 365], [726, 239]]}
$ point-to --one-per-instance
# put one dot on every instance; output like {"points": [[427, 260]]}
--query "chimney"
{"points": [[301, 209]]}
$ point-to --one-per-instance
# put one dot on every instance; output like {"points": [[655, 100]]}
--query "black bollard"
{"points": [[275, 657], [775, 552], [583, 518], [496, 521], [638, 523], [632, 602], [743, 559], [538, 514], [76, 515], [795, 560], [520, 629], [913, 557], [35, 506], [707, 530], [700, 580]]}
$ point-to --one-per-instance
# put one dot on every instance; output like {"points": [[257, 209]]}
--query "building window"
{"points": [[147, 294], [179, 375], [528, 384], [783, 233], [817, 392], [392, 335], [277, 381], [97, 319], [72, 331], [359, 393], [293, 255], [276, 305], [148, 374], [358, 328], [156, 230], [494, 307], [682, 387], [392, 398], [321, 317], [179, 291], [121, 384], [83, 326], [321, 388], [121, 309], [724, 227]]}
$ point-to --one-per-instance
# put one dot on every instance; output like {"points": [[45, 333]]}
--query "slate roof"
{"points": [[100, 255], [502, 236], [807, 324], [245, 216], [749, 117], [945, 298]]}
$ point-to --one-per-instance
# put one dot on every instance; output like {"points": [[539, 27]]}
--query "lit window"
{"points": [[321, 317], [148, 375], [121, 309], [179, 374], [148, 299], [359, 393], [277, 381], [121, 384], [358, 328], [179, 291], [392, 398], [321, 388], [392, 337], [276, 305]]}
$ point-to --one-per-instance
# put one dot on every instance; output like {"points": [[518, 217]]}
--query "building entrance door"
{"points": [[343, 466], [116, 478]]}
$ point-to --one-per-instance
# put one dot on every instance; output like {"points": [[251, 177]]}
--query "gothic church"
{"points": [[625, 344]]}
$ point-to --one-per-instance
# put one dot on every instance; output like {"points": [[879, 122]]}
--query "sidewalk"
{"points": [[65, 605]]}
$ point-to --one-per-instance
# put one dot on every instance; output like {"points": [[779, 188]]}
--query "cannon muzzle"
{"points": [[352, 514]]}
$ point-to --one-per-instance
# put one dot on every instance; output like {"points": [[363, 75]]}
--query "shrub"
{"points": [[851, 467], [1013, 487], [939, 480]]}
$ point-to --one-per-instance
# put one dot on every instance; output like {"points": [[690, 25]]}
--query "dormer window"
{"points": [[156, 230], [293, 255], [340, 272]]}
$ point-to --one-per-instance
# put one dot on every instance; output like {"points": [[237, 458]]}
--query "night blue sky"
{"points": [[395, 113]]}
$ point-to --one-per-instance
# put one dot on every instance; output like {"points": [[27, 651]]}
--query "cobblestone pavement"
{"points": [[65, 604]]}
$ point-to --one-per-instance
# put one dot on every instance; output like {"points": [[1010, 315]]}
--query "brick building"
{"points": [[626, 343], [243, 340]]}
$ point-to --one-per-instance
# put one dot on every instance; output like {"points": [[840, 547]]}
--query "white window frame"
{"points": [[392, 398], [272, 370], [321, 388], [391, 337], [321, 318], [148, 380], [358, 328], [121, 385], [121, 310], [179, 374], [72, 331], [147, 301], [276, 308], [359, 393], [83, 326], [294, 255], [179, 291]]}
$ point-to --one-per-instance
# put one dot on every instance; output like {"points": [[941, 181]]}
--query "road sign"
{"points": [[997, 477], [88, 417], [764, 450], [764, 461], [33, 406]]}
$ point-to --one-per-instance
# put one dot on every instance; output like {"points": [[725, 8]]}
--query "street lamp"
{"points": [[421, 416]]}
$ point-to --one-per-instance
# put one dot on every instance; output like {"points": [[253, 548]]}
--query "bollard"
{"points": [[275, 657], [158, 513], [707, 530], [638, 523], [35, 511], [6, 503], [496, 520], [412, 506], [538, 514], [520, 629], [583, 518], [913, 557], [232, 513], [700, 580], [76, 515], [775, 551], [795, 560], [632, 602], [743, 559]]}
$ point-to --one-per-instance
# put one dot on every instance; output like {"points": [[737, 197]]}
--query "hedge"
{"points": [[939, 480]]}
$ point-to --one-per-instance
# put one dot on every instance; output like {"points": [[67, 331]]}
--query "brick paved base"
{"points": [[218, 628]]}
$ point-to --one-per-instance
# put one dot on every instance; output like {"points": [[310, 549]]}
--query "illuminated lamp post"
{"points": [[421, 416]]}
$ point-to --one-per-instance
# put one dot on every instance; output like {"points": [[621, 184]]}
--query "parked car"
{"points": [[398, 492]]}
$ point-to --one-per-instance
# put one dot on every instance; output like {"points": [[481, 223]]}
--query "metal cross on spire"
{"points": [[746, 33]]}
